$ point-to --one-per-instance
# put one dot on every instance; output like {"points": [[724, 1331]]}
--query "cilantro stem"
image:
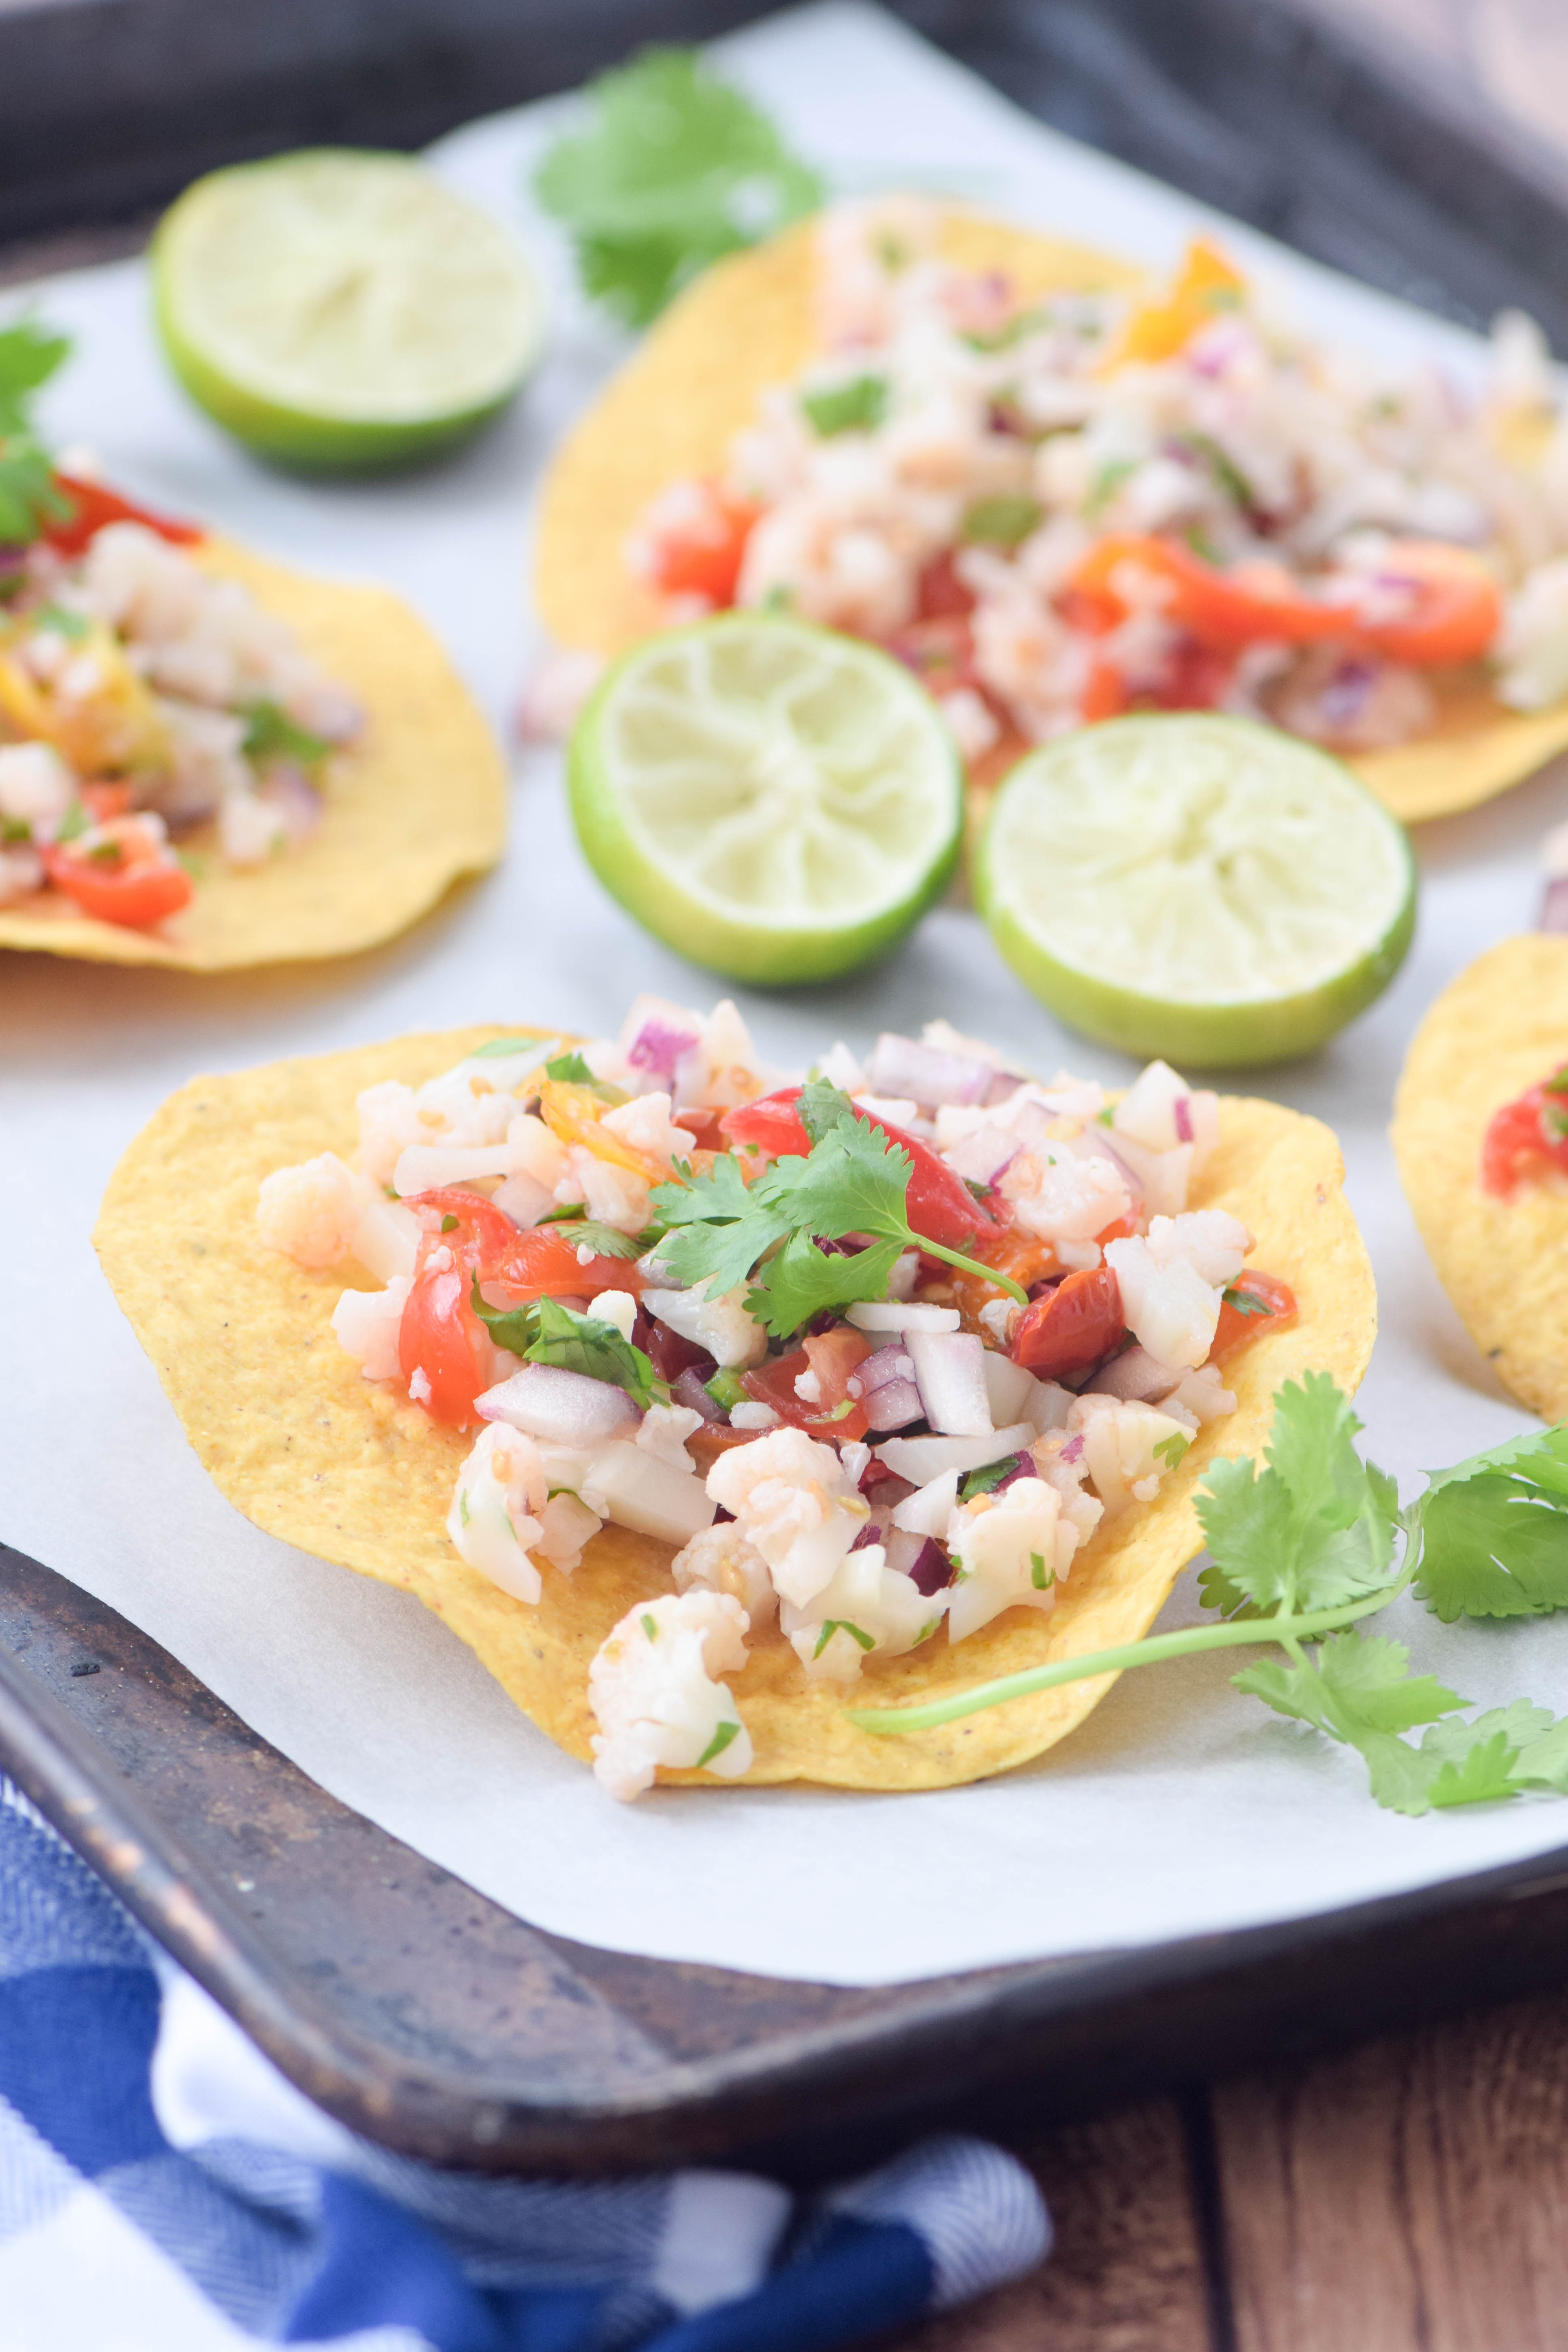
{"points": [[1238, 1633], [969, 1266]]}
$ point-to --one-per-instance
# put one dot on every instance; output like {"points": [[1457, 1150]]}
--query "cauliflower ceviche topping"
{"points": [[141, 696], [874, 1352], [1058, 510]]}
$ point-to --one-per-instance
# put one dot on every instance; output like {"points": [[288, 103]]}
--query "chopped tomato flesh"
{"points": [[125, 874], [539, 1262], [1456, 606], [1223, 610], [94, 505], [1071, 1328], [1272, 1302], [442, 1339], [705, 559], [1527, 1138], [773, 1384]]}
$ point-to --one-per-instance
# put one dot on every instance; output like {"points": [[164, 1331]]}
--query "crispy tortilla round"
{"points": [[419, 800], [310, 1450], [746, 324], [1501, 1027]]}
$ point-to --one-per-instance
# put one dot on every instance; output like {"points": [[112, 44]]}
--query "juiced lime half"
{"points": [[777, 803], [340, 309], [1196, 886]]}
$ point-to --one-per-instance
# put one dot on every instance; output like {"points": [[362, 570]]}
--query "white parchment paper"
{"points": [[1180, 1806]]}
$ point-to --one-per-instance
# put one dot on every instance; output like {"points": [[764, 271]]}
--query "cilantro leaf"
{"points": [[1315, 1528], [674, 169], [1492, 1534], [571, 1068], [857, 406], [802, 1281], [29, 495], [820, 1106], [580, 1344], [29, 355], [1005, 520], [853, 1181], [271, 734], [718, 1227]]}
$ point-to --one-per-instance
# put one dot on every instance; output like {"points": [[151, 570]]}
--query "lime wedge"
{"points": [[341, 310], [779, 803], [1196, 886]]}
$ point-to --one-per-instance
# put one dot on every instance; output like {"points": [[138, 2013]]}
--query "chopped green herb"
{"points": [[15, 830], [1106, 1118], [449, 1225], [927, 1630], [981, 1191], [842, 1625], [674, 168], [1106, 483], [1245, 1302], [1225, 469], [1558, 1082], [463, 1505], [651, 1626], [571, 1069], [891, 251], [61, 622], [75, 822], [30, 497], [581, 1344], [724, 1734], [727, 1390], [1040, 1577], [1011, 333], [1172, 1449], [1006, 521], [983, 1482], [271, 734], [1203, 546], [858, 406], [501, 1049]]}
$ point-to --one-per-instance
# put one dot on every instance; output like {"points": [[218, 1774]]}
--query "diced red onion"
{"points": [[1073, 1450], [1004, 1083], [894, 1405], [1554, 906], [657, 1049], [874, 1372], [1021, 1467], [930, 1570], [289, 791], [688, 1390], [871, 1533], [1136, 1376], [562, 1407], [903, 1067], [1182, 1118], [950, 1370], [983, 1156]]}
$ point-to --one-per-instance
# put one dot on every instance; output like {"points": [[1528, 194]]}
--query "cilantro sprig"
{"points": [[675, 168], [854, 1181], [545, 1332], [1302, 1548], [29, 496]]}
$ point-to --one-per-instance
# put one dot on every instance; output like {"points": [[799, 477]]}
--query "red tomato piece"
{"points": [[125, 874], [1072, 1327], [1223, 610], [940, 594], [537, 1263], [772, 1126], [1524, 1140], [1454, 612], [96, 504], [441, 1337], [1238, 1325], [704, 558], [1105, 695], [773, 1384]]}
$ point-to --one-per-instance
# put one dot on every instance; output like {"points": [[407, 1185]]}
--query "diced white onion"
{"points": [[562, 1408], [421, 1167], [950, 1368], [901, 1315], [921, 1459], [627, 1484]]}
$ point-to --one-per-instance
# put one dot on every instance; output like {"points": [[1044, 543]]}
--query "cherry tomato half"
{"points": [[95, 505], [705, 559], [832, 1359], [1238, 1325], [442, 1337], [1522, 1139], [1071, 1328], [939, 1204], [125, 877]]}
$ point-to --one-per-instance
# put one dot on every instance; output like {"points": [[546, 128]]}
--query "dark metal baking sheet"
{"points": [[438, 2024], [1302, 126]]}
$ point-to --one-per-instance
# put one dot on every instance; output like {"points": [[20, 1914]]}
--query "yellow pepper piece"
{"points": [[115, 728], [576, 1115], [20, 700], [1206, 284]]}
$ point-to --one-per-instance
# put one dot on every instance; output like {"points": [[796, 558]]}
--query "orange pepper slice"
{"points": [[575, 1114], [1207, 283]]}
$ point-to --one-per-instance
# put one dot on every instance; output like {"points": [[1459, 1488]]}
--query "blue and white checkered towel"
{"points": [[162, 2189]]}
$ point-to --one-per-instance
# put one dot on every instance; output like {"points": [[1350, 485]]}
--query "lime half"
{"points": [[341, 310], [777, 803], [1196, 886]]}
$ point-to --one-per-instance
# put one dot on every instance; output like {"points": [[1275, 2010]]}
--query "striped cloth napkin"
{"points": [[163, 2188]]}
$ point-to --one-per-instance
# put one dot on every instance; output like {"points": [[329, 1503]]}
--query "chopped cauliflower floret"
{"points": [[732, 1338], [794, 1501], [720, 1559], [567, 1525], [730, 1070], [388, 1123], [36, 788], [21, 872], [310, 1212], [1172, 1279], [1061, 1198], [840, 1068], [494, 1519], [665, 1427], [867, 1606], [1012, 1550], [646, 1123], [1160, 1111], [654, 1692], [534, 1151], [613, 1196], [470, 1107], [1060, 1460], [1202, 1393], [367, 1323], [1128, 1447]]}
